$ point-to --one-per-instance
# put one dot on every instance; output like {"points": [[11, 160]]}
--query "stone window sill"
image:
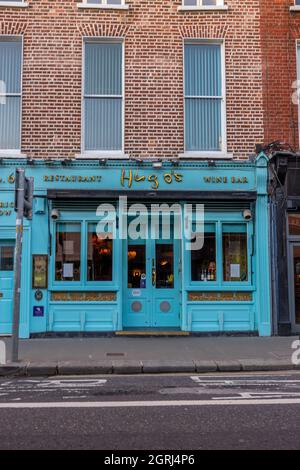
{"points": [[13, 154], [102, 155], [102, 7], [204, 8], [206, 155], [295, 8], [14, 4]]}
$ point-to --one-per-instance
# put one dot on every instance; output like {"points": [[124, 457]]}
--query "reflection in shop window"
{"points": [[67, 254], [100, 255], [164, 275], [294, 224], [235, 257], [136, 266], [7, 258], [203, 262]]}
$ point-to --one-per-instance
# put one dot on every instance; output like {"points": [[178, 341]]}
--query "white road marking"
{"points": [[204, 382], [152, 404]]}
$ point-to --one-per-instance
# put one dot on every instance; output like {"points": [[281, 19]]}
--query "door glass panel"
{"points": [[6, 258], [136, 266], [67, 252], [203, 261], [294, 224], [296, 262], [164, 266], [235, 256], [100, 255]]}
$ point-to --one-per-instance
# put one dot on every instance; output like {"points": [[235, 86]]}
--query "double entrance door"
{"points": [[6, 285], [152, 296]]}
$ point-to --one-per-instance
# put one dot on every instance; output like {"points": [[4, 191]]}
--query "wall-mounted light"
{"points": [[247, 214], [55, 214], [157, 164]]}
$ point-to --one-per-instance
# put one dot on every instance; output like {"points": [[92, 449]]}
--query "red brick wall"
{"points": [[280, 29], [154, 31]]}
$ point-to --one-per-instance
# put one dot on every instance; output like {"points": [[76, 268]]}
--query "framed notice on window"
{"points": [[40, 271]]}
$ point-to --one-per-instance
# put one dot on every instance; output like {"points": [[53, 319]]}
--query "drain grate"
{"points": [[115, 354]]}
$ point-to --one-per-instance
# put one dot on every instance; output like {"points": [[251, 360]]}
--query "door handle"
{"points": [[153, 277]]}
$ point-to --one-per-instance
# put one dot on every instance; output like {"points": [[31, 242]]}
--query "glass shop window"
{"points": [[235, 254], [294, 224], [136, 265], [7, 258], [203, 261], [100, 255], [67, 252]]}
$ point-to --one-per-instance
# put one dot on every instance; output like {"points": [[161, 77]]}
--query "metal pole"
{"points": [[20, 182]]}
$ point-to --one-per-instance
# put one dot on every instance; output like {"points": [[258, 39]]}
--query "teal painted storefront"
{"points": [[145, 283]]}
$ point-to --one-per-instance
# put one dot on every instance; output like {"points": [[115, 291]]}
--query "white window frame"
{"points": [[295, 7], [206, 153], [18, 4], [218, 6], [104, 5], [15, 153], [110, 154]]}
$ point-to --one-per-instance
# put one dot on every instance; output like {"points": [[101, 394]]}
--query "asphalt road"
{"points": [[157, 412]]}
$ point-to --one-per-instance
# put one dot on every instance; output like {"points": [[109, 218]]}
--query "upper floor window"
{"points": [[103, 96], [10, 93], [105, 2], [202, 3], [102, 4], [204, 100]]}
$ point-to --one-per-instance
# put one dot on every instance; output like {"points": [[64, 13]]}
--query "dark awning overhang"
{"points": [[155, 195]]}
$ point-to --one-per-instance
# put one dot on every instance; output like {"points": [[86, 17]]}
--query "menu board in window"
{"points": [[40, 272]]}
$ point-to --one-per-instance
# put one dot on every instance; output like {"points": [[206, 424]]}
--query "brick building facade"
{"points": [[280, 32], [111, 96], [153, 32]]}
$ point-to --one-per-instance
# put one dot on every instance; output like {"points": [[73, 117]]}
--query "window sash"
{"points": [[104, 2], [80, 230], [203, 97], [10, 92], [103, 98], [203, 3], [221, 230]]}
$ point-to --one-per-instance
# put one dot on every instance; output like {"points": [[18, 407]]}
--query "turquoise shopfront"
{"points": [[137, 271]]}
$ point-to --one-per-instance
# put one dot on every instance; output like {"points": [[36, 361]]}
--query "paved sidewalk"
{"points": [[125, 355]]}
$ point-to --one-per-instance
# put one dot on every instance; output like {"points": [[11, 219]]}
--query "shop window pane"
{"points": [[203, 262], [67, 254], [164, 266], [100, 256], [294, 224], [137, 266], [235, 255], [7, 258], [296, 259]]}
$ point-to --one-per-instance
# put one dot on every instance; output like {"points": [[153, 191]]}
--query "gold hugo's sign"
{"points": [[128, 177]]}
